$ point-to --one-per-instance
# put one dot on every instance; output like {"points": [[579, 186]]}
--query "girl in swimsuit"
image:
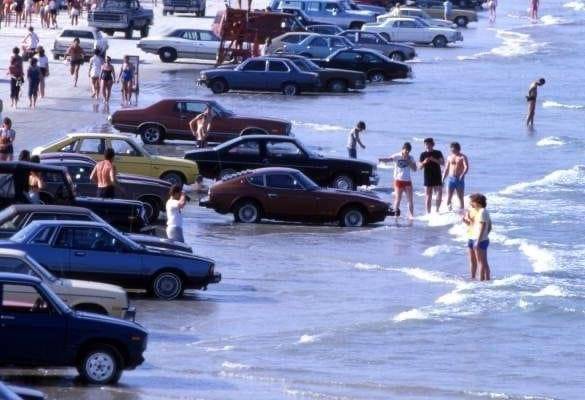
{"points": [[107, 77], [127, 77]]}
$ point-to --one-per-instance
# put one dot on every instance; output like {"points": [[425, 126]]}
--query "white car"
{"points": [[89, 40], [414, 30], [414, 12], [182, 43]]}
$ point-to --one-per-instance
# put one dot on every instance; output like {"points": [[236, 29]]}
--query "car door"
{"points": [[80, 174], [187, 111], [32, 330], [317, 47], [371, 41], [278, 73], [187, 45], [338, 43], [242, 155], [208, 45], [129, 158], [93, 147], [286, 197], [347, 60], [41, 247], [250, 76], [409, 32]]}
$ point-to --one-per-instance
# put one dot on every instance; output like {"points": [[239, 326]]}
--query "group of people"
{"points": [[21, 12]]}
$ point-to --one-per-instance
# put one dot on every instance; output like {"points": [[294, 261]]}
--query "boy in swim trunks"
{"points": [[403, 164], [457, 168], [531, 99]]}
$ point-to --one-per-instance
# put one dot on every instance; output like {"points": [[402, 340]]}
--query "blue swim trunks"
{"points": [[482, 245], [456, 183]]}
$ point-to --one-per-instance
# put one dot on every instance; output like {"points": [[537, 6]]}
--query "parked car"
{"points": [[16, 217], [461, 4], [131, 157], [374, 65], [126, 16], [323, 29], [94, 251], [100, 347], [11, 392], [89, 40], [278, 42], [433, 16], [316, 46], [334, 12], [182, 43], [289, 195], [196, 7], [375, 41], [414, 30], [169, 119], [99, 298], [250, 152], [151, 191], [128, 215], [334, 80], [265, 74]]}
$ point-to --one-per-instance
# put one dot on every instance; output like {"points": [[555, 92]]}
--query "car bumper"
{"points": [[130, 314], [359, 84], [201, 82]]}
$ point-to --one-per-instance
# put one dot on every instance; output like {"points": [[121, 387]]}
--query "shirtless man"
{"points": [[200, 127], [104, 174], [456, 169], [531, 99]]}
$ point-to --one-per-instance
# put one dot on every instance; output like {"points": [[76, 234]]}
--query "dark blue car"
{"points": [[264, 74], [37, 329]]}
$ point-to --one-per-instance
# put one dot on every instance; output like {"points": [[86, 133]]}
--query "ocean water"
{"points": [[388, 311]]}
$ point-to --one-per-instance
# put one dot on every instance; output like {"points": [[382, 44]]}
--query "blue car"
{"points": [[37, 329], [95, 251], [264, 74]]}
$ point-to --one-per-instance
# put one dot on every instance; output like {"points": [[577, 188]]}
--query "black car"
{"points": [[263, 74], [39, 330], [17, 216], [334, 80], [376, 66], [127, 215], [257, 151]]}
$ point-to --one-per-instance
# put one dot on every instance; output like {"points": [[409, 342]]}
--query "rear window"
{"points": [[79, 34], [256, 180]]}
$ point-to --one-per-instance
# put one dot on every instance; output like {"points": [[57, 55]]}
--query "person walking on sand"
{"points": [[455, 171], [531, 99], [354, 139], [95, 69], [431, 161], [16, 72], [107, 75], [75, 54], [104, 174], [403, 164], [174, 207], [75, 11], [447, 9], [480, 225], [33, 74], [127, 77], [200, 126], [7, 136], [44, 67], [534, 9]]}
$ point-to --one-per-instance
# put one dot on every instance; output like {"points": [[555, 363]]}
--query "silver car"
{"points": [[182, 43], [317, 46], [375, 41], [89, 40]]}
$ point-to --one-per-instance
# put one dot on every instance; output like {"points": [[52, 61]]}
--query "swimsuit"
{"points": [[127, 74], [107, 192], [106, 75], [482, 245], [456, 183]]}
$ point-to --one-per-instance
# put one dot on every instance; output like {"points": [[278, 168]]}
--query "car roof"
{"points": [[269, 137], [97, 135], [67, 157], [271, 170], [410, 9], [79, 28], [47, 208], [6, 277], [68, 222], [24, 165], [401, 19]]}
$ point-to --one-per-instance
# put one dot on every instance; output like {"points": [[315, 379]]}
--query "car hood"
{"points": [[150, 39], [155, 241], [358, 194], [87, 288], [361, 163], [244, 118], [440, 23], [82, 201], [201, 155], [157, 251], [104, 319]]}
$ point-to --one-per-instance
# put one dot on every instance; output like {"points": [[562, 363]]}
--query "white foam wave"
{"points": [[453, 297], [575, 5], [573, 176], [551, 141], [231, 365], [551, 291], [514, 44], [556, 104], [319, 127], [304, 339], [523, 304], [414, 314], [215, 349], [440, 219], [368, 267], [541, 259], [552, 20], [436, 250]]}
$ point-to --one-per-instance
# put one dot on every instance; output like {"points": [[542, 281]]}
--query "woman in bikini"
{"points": [[107, 77]]}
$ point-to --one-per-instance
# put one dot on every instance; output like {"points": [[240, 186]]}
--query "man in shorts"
{"points": [[354, 139], [531, 99], [104, 174], [431, 161], [455, 171]]}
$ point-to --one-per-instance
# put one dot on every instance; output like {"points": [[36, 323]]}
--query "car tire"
{"points": [[144, 31], [108, 32], [440, 41], [356, 25], [100, 365], [128, 33], [352, 217], [343, 182], [290, 89], [56, 57], [167, 54], [226, 172], [376, 76], [247, 212], [152, 134], [461, 21], [337, 86], [167, 285], [164, 13], [218, 86], [397, 56], [175, 178], [155, 207]]}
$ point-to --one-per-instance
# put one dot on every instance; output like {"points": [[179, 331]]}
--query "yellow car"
{"points": [[131, 157]]}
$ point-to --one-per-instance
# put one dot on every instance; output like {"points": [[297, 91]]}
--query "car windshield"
{"points": [[119, 4], [305, 65], [22, 235], [39, 269], [220, 110], [306, 182], [421, 23]]}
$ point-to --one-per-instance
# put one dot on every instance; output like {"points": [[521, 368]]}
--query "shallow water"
{"points": [[387, 311]]}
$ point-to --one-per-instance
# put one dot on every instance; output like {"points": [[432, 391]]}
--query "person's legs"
{"points": [[461, 193], [450, 191], [352, 153], [472, 259], [409, 196], [530, 116], [428, 198], [77, 65], [484, 268], [397, 197], [439, 194]]}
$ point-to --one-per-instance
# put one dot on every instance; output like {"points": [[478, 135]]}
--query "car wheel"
{"points": [[290, 89], [128, 33], [108, 32], [154, 205], [167, 285], [338, 86], [376, 77], [100, 365], [247, 212], [397, 56], [343, 182], [352, 217], [152, 134], [356, 25], [56, 57], [461, 21], [440, 41], [224, 173], [218, 86], [164, 13], [385, 35], [167, 54], [174, 178], [144, 31]]}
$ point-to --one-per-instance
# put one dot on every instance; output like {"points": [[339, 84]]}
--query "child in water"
{"points": [[480, 226]]}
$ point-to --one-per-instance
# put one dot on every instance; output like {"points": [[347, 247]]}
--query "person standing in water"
{"points": [[354, 139], [104, 174], [480, 225], [457, 168], [531, 99], [403, 164], [107, 76], [534, 9], [431, 161], [447, 10]]}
